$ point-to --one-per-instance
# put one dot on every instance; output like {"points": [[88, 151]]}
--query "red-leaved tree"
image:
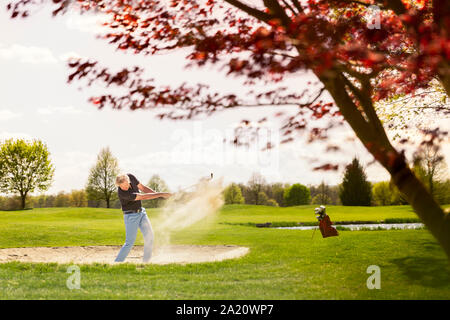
{"points": [[357, 58]]}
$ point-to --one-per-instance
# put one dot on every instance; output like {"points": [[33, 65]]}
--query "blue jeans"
{"points": [[133, 221]]}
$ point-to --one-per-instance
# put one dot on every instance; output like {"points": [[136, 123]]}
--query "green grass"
{"points": [[282, 264], [262, 214]]}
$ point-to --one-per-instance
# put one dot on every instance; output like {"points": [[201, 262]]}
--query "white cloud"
{"points": [[45, 111], [67, 110], [6, 115], [27, 54], [34, 55]]}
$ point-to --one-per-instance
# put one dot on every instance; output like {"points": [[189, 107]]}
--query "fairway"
{"points": [[280, 264]]}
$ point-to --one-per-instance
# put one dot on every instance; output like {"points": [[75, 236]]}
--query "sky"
{"points": [[37, 103]]}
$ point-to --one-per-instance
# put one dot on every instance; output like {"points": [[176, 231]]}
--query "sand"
{"points": [[181, 254]]}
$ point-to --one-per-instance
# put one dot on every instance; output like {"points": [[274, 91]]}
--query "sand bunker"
{"points": [[106, 254]]}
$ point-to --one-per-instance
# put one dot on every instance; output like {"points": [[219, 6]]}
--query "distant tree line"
{"points": [[78, 198], [354, 190], [25, 168], [257, 191], [28, 162]]}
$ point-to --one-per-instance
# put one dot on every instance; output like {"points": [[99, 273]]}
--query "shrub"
{"points": [[78, 198], [262, 198], [233, 194], [382, 194], [62, 200], [297, 194]]}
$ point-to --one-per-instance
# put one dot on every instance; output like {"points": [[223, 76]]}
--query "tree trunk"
{"points": [[417, 195], [423, 203], [431, 182], [23, 200], [446, 83]]}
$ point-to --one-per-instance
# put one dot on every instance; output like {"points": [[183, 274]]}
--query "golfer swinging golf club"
{"points": [[134, 214]]}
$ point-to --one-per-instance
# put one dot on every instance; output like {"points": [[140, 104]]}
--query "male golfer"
{"points": [[134, 214]]}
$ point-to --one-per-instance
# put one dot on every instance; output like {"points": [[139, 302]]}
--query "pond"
{"points": [[374, 226]]}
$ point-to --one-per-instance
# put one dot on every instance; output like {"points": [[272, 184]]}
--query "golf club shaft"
{"points": [[195, 184]]}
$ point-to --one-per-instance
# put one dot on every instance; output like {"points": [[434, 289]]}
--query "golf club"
{"points": [[188, 187]]}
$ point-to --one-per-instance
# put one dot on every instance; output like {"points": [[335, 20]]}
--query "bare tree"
{"points": [[429, 165], [255, 187], [101, 181]]}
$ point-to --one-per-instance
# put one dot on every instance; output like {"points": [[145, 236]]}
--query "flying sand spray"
{"points": [[184, 209]]}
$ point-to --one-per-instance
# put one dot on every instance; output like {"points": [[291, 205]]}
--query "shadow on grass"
{"points": [[426, 271], [431, 245]]}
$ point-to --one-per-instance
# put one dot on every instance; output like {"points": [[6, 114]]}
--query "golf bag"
{"points": [[325, 223], [326, 229]]}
